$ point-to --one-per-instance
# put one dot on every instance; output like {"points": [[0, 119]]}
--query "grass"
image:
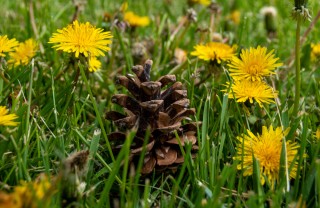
{"points": [[60, 115]]}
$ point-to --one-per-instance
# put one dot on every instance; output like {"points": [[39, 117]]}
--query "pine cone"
{"points": [[160, 110]]}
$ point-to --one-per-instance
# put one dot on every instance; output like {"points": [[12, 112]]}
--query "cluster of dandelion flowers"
{"points": [[214, 51], [315, 52], [23, 53], [7, 119], [136, 20], [254, 63], [29, 194], [266, 148], [82, 38], [247, 90], [7, 45]]}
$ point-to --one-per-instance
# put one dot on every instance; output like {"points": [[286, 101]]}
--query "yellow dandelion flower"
{"points": [[135, 20], [7, 119], [254, 64], [317, 134], [82, 38], [124, 7], [23, 53], [247, 90], [315, 52], [7, 45], [266, 148], [202, 2], [7, 201], [30, 194], [214, 51], [235, 16], [94, 64]]}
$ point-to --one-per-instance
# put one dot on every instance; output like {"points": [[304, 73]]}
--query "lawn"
{"points": [[169, 103]]}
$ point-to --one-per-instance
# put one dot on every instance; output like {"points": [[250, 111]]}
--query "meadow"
{"points": [[169, 103]]}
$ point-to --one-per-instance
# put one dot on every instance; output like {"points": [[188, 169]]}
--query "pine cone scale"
{"points": [[149, 146], [149, 164], [164, 80], [132, 85], [151, 88], [127, 102], [152, 105], [166, 157]]}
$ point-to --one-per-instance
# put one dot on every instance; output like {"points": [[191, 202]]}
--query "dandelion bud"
{"points": [[217, 37], [192, 15], [298, 4], [204, 202], [121, 25], [74, 170], [215, 8], [77, 163], [106, 17], [300, 9], [124, 7], [139, 52], [270, 14], [180, 56]]}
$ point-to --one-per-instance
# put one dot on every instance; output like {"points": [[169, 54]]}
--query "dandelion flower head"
{"points": [[94, 64], [247, 90], [202, 2], [235, 16], [82, 38], [266, 148], [214, 51], [23, 53], [7, 45], [6, 119], [317, 134], [136, 20], [253, 64]]}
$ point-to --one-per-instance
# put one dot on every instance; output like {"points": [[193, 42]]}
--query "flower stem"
{"points": [[298, 77], [4, 78]]}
